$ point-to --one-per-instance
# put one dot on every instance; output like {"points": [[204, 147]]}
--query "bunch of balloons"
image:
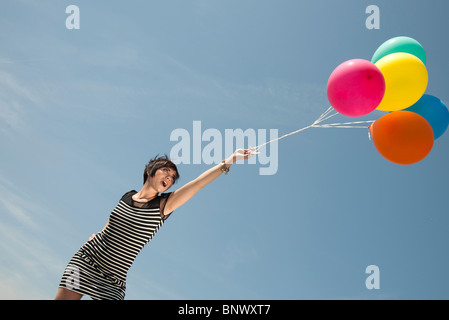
{"points": [[395, 81]]}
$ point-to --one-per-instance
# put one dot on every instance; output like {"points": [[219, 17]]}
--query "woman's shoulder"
{"points": [[153, 203], [165, 195], [128, 194]]}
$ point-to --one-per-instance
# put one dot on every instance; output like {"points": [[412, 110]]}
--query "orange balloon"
{"points": [[402, 137]]}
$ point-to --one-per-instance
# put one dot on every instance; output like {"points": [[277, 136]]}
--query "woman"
{"points": [[100, 266]]}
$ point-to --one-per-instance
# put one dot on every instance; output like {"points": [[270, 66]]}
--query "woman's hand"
{"points": [[90, 238], [240, 154], [95, 234]]}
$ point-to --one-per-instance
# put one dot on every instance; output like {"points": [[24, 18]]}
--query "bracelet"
{"points": [[224, 168]]}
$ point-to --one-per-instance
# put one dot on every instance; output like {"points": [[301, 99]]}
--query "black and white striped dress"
{"points": [[100, 266]]}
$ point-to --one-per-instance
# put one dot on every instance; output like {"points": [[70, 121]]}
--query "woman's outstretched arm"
{"points": [[183, 194]]}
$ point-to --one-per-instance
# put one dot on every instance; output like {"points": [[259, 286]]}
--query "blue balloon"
{"points": [[434, 111]]}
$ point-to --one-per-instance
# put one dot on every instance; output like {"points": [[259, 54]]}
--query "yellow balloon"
{"points": [[406, 80]]}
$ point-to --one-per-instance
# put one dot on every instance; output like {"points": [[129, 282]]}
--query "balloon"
{"points": [[406, 80], [402, 137], [434, 111], [355, 88], [400, 44]]}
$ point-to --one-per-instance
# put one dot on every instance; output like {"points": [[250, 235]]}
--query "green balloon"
{"points": [[400, 44]]}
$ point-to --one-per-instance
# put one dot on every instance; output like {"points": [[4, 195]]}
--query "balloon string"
{"points": [[284, 136], [316, 124], [344, 124]]}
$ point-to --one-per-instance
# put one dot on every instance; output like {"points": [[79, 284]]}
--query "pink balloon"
{"points": [[356, 87]]}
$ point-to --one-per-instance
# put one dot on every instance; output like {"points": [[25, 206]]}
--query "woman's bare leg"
{"points": [[66, 294]]}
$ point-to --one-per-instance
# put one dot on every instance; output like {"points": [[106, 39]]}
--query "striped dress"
{"points": [[100, 266]]}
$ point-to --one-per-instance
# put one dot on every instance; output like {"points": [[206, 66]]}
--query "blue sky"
{"points": [[82, 112]]}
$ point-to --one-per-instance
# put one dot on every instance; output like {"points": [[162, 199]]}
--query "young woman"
{"points": [[100, 266]]}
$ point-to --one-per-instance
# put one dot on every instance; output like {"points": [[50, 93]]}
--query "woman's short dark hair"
{"points": [[157, 163]]}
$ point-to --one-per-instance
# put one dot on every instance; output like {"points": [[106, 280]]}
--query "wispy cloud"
{"points": [[28, 261], [28, 265], [275, 102], [14, 96], [238, 254]]}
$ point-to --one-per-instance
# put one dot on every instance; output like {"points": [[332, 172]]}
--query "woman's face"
{"points": [[163, 179]]}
